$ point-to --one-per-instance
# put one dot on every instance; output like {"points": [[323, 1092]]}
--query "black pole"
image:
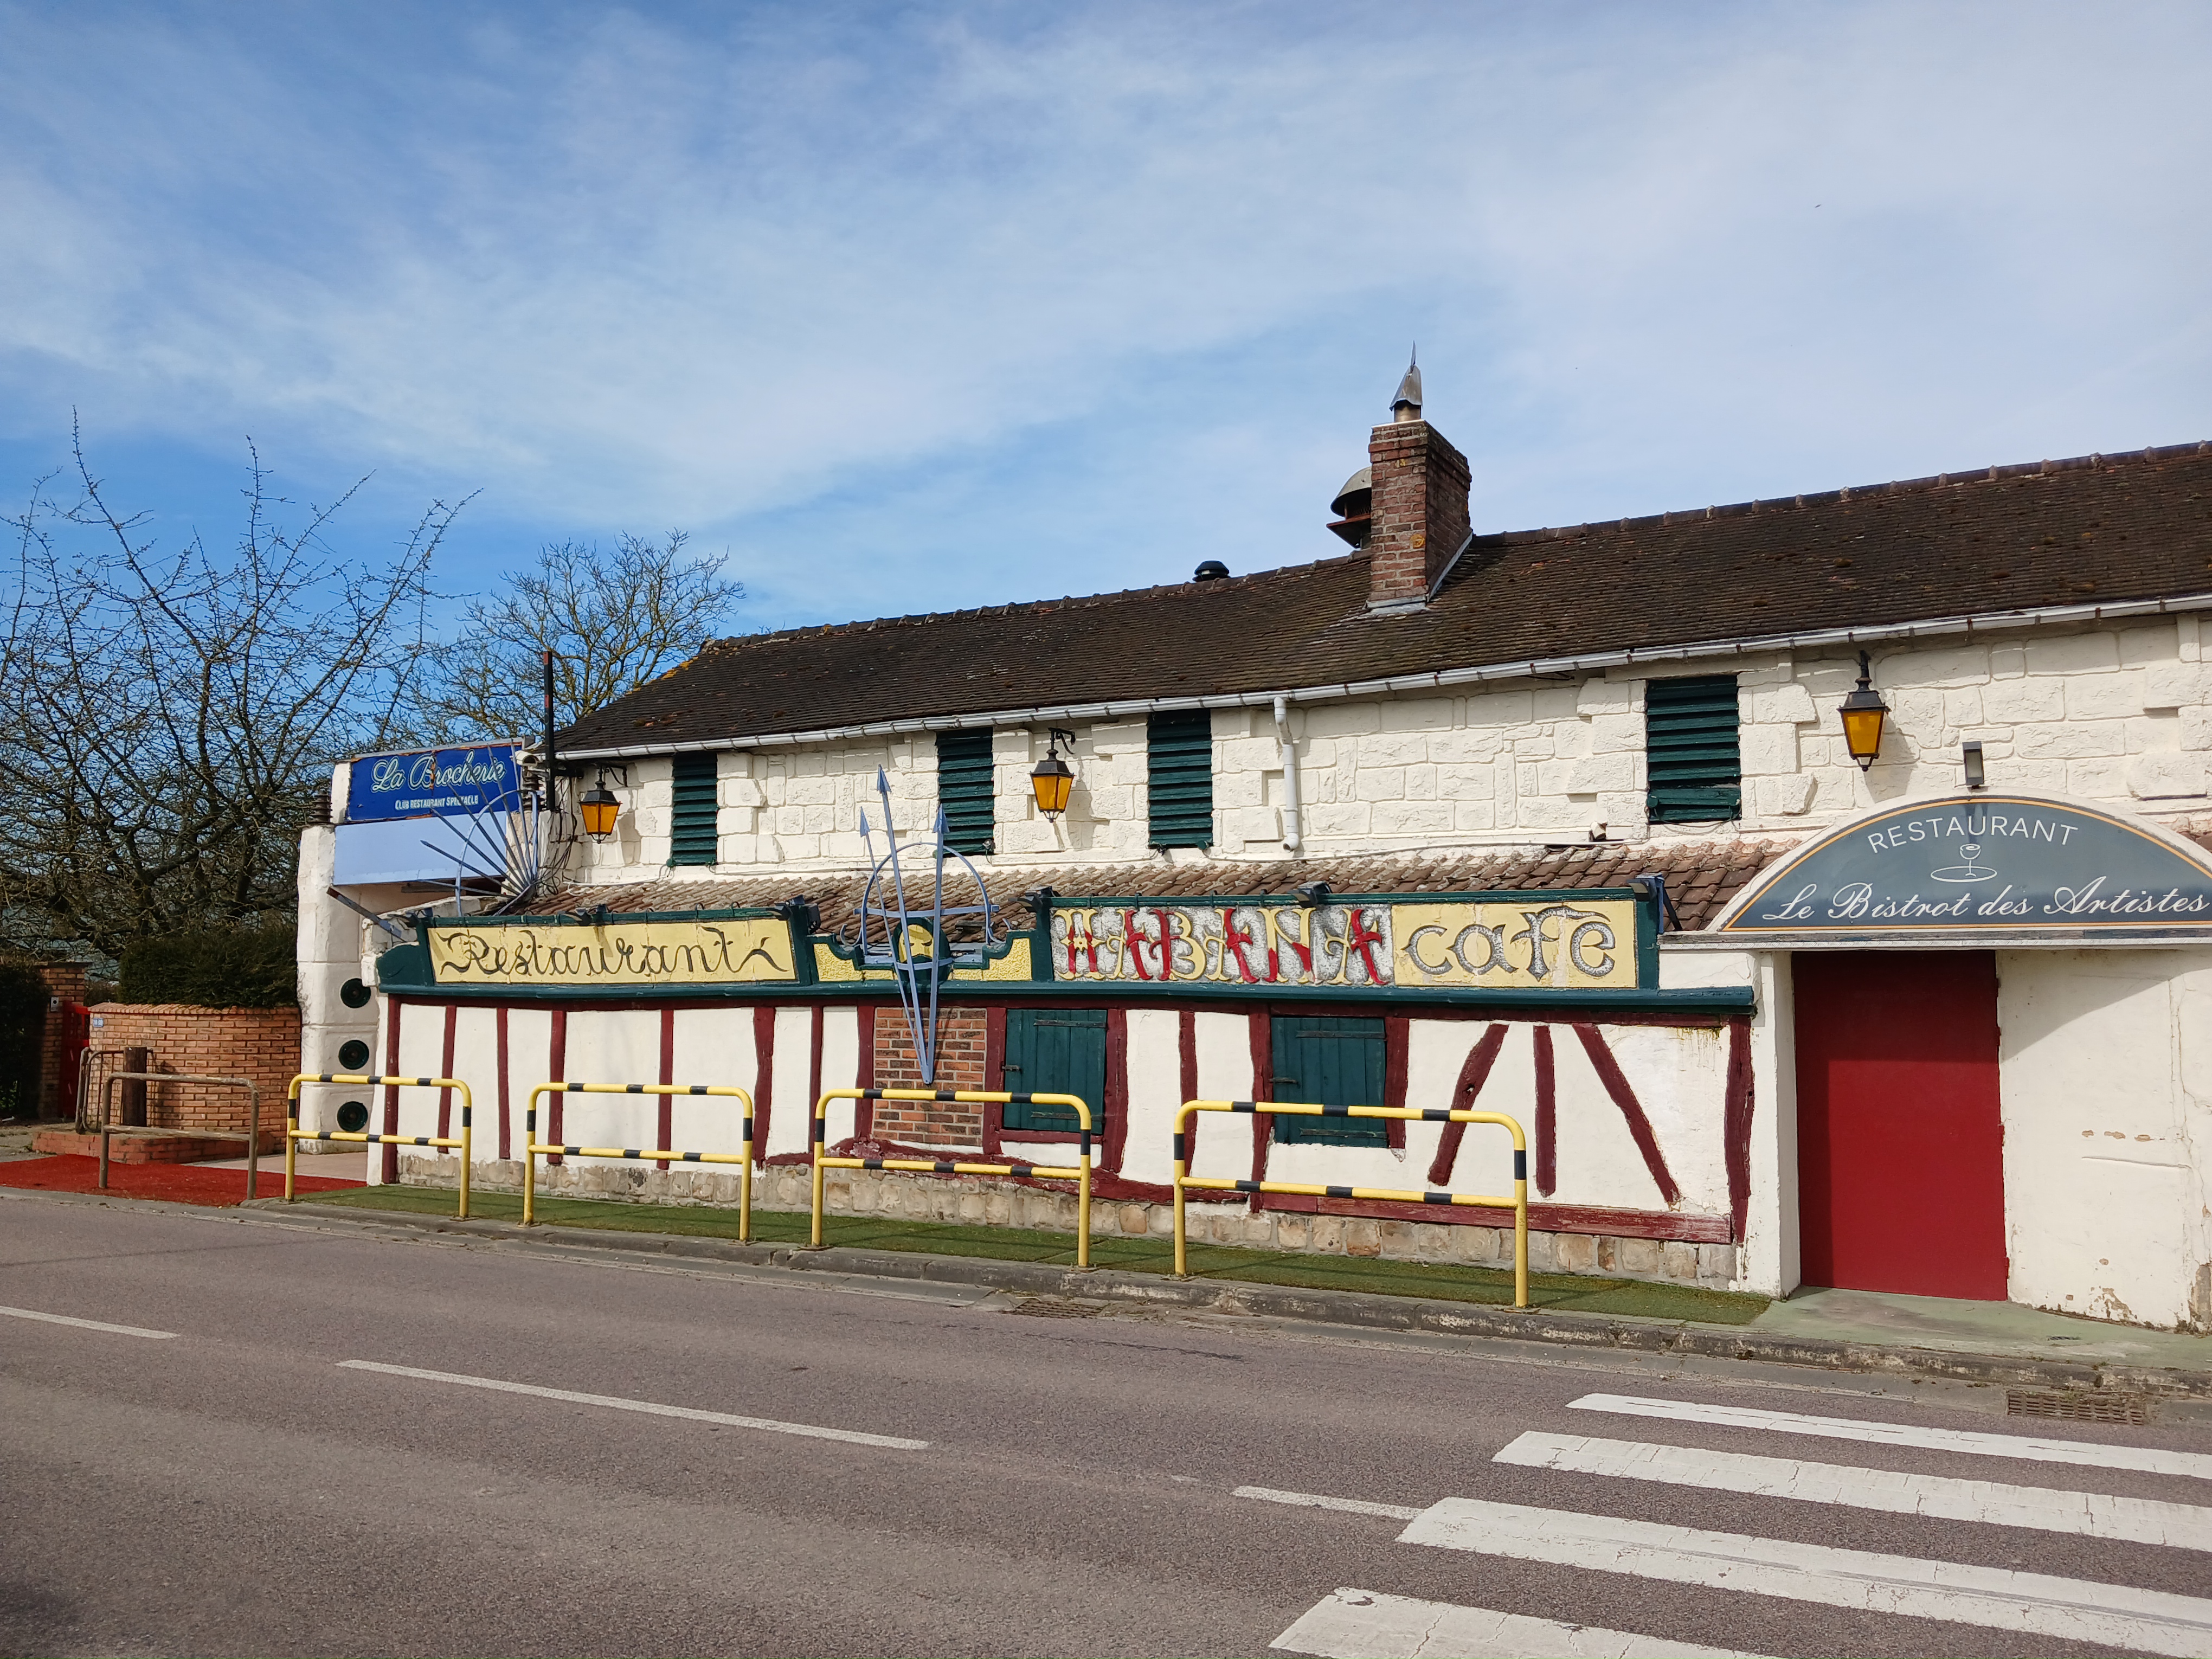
{"points": [[550, 803]]}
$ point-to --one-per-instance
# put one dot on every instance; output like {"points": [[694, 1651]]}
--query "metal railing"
{"points": [[1518, 1202], [293, 1133], [532, 1148], [251, 1137], [1080, 1173]]}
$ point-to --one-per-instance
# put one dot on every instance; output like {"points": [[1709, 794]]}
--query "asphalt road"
{"points": [[238, 1487]]}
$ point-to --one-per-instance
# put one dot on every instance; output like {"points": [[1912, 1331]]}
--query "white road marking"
{"points": [[2090, 1514], [2152, 1460], [615, 1402], [2070, 1609], [87, 1324], [1356, 1624], [1314, 1501]]}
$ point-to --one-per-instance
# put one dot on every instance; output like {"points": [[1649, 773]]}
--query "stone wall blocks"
{"points": [[2104, 696], [2167, 775], [1411, 817], [1380, 783], [1605, 698], [2071, 740], [1767, 749], [2077, 654], [2174, 685]]}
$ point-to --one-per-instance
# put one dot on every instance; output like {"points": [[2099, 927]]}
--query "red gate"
{"points": [[72, 1034]]}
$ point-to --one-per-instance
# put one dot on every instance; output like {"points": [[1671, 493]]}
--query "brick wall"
{"points": [[1420, 514], [960, 1046], [261, 1043]]}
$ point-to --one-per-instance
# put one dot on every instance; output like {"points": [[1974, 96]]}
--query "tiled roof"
{"points": [[2098, 530], [1701, 876]]}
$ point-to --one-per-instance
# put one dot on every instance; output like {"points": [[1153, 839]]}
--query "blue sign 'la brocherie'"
{"points": [[444, 782]]}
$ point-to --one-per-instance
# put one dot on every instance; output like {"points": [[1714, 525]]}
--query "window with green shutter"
{"points": [[963, 790], [691, 821], [1180, 748], [1055, 1051], [1690, 745], [1325, 1060]]}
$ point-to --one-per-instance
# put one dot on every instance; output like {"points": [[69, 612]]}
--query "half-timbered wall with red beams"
{"points": [[1639, 1124]]}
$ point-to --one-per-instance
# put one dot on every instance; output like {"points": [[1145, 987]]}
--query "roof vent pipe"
{"points": [[1290, 777]]}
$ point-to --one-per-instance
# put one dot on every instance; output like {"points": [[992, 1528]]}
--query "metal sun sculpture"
{"points": [[913, 942], [508, 835]]}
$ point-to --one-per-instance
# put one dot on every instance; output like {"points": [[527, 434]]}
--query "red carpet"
{"points": [[176, 1183]]}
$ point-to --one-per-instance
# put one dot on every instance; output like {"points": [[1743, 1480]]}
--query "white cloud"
{"points": [[985, 296]]}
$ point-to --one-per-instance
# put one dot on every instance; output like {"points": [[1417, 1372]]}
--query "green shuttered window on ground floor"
{"points": [[1690, 745], [1324, 1060], [1055, 1051], [964, 790], [692, 815], [1180, 750]]}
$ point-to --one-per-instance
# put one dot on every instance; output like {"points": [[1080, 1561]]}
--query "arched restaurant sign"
{"points": [[1983, 862]]}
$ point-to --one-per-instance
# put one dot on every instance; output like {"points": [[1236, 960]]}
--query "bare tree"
{"points": [[612, 620], [168, 718]]}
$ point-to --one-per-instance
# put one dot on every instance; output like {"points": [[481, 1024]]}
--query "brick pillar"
{"points": [[1420, 511]]}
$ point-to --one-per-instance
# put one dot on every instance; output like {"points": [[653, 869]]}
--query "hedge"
{"points": [[240, 968]]}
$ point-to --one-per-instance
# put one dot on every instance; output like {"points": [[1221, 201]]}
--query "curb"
{"points": [[1359, 1310]]}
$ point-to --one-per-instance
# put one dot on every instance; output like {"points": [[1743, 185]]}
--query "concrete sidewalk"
{"points": [[2070, 1363]]}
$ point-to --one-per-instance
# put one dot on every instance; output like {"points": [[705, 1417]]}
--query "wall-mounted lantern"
{"points": [[599, 809], [1976, 777], [1864, 712], [1053, 779]]}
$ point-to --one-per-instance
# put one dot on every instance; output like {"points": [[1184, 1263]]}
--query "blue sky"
{"points": [[915, 308]]}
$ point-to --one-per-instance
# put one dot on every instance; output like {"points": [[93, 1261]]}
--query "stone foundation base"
{"points": [[979, 1201]]}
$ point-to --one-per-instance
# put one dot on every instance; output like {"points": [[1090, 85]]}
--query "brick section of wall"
{"points": [[65, 980], [1420, 510], [261, 1043], [960, 1042]]}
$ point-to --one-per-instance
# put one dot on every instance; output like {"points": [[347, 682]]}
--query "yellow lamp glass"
{"points": [[599, 809], [1862, 713], [1051, 782]]}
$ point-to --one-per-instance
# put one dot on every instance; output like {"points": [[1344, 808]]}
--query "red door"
{"points": [[1901, 1150]]}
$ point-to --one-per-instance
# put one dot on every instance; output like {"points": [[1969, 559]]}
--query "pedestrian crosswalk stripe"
{"points": [[1316, 1501], [2150, 1460], [2068, 1609], [2091, 1515], [1356, 1624]]}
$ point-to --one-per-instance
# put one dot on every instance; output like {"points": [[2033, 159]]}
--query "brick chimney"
{"points": [[1420, 511]]}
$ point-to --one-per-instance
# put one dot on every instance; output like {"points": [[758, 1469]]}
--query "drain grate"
{"points": [[2077, 1408], [1053, 1307]]}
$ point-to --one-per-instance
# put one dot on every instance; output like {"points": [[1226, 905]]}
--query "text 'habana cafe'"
{"points": [[1821, 883]]}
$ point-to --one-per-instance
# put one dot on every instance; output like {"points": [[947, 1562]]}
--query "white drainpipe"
{"points": [[1290, 775]]}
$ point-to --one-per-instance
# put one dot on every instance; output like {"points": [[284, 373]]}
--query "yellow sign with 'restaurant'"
{"points": [[614, 953]]}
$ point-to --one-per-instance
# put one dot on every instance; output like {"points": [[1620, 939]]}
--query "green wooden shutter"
{"points": [[1330, 1061], [1055, 1051], [1690, 744], [691, 822], [1180, 748], [963, 790]]}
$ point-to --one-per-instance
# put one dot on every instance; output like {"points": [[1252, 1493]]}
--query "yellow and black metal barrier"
{"points": [[1519, 1201], [1080, 1174], [533, 1149], [293, 1134]]}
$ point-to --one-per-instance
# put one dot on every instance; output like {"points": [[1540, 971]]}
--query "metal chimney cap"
{"points": [[1409, 394], [1360, 483], [1212, 571]]}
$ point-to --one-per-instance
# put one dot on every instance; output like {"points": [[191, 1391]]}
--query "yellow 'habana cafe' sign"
{"points": [[1542, 940]]}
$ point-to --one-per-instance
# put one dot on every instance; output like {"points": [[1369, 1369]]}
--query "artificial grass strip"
{"points": [[1559, 1293]]}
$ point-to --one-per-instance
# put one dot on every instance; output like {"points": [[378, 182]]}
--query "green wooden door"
{"points": [[1055, 1051], [1330, 1061]]}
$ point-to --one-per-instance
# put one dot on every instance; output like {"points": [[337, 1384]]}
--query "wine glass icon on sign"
{"points": [[1972, 871]]}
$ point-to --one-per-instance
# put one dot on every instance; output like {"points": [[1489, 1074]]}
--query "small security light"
{"points": [[1976, 779], [1864, 712], [1052, 780]]}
